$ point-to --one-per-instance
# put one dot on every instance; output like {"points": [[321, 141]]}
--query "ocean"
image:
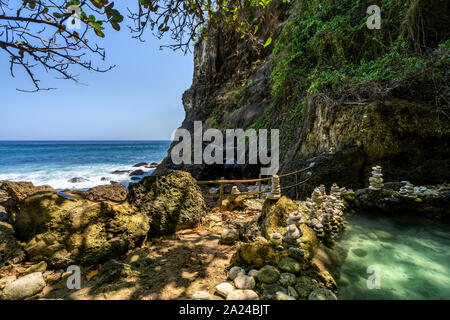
{"points": [[56, 162]]}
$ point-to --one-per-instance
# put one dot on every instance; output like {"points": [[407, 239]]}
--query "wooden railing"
{"points": [[259, 180]]}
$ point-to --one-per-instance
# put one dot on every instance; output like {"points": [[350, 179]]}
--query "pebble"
{"points": [[282, 296], [235, 271], [287, 279], [268, 274], [243, 295], [289, 265], [244, 282], [202, 295], [224, 289]]}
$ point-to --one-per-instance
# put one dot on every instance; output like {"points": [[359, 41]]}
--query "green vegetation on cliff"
{"points": [[326, 49]]}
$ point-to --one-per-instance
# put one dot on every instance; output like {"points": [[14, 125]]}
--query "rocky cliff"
{"points": [[395, 121]]}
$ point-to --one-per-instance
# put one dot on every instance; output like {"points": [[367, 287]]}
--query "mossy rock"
{"points": [[257, 254], [172, 202], [63, 232], [10, 250], [274, 215]]}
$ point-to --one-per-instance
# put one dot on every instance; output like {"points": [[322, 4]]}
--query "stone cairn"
{"points": [[295, 218], [276, 188], [376, 180], [407, 190], [276, 238], [293, 234], [326, 212]]}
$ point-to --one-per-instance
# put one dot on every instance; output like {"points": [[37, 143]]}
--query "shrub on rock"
{"points": [[172, 202]]}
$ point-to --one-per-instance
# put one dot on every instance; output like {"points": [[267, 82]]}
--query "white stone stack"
{"points": [[276, 238], [293, 233], [407, 190], [376, 180], [295, 218], [276, 188]]}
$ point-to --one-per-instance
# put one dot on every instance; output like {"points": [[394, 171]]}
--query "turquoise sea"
{"points": [[56, 162]]}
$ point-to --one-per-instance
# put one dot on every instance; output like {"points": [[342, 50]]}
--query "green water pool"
{"points": [[412, 257]]}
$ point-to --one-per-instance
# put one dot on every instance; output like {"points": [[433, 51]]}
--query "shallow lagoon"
{"points": [[413, 257]]}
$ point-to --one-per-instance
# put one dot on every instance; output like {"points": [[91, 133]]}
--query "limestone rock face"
{"points": [[63, 232], [172, 202], [113, 192], [12, 193], [10, 250], [274, 216], [24, 287]]}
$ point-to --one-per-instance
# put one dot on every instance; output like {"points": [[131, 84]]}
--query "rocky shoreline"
{"points": [[279, 249]]}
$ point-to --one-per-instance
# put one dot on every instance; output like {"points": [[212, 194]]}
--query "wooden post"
{"points": [[259, 187], [221, 194], [296, 186]]}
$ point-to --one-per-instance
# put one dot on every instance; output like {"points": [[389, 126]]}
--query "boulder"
{"points": [[172, 202], [140, 164], [257, 254], [12, 193], [24, 287], [121, 171], [274, 215], [243, 295], [228, 236], [64, 232], [77, 180], [114, 192], [152, 165], [138, 172], [389, 202], [268, 274], [10, 250]]}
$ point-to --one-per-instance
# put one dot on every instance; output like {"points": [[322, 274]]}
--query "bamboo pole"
{"points": [[221, 194], [259, 186]]}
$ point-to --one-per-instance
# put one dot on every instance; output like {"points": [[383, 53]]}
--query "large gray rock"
{"points": [[24, 287], [172, 202]]}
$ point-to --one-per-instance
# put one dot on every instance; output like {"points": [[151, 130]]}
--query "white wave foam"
{"points": [[58, 178]]}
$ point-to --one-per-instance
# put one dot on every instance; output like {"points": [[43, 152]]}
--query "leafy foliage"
{"points": [[326, 48]]}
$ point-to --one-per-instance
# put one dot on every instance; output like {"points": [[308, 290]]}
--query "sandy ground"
{"points": [[166, 268]]}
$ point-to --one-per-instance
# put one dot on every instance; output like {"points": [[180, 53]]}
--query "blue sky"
{"points": [[140, 99]]}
